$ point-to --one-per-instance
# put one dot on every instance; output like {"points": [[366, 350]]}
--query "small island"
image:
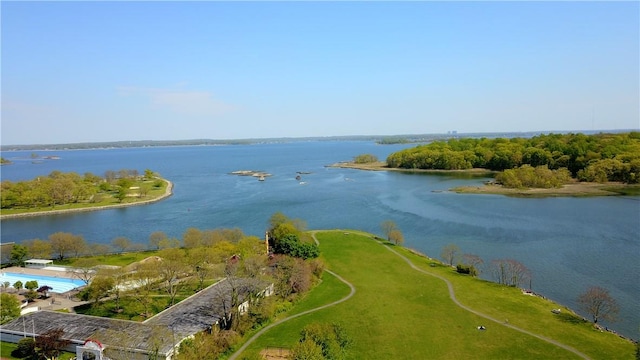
{"points": [[70, 192], [545, 165]]}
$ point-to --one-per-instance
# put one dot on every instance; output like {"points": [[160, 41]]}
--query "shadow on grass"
{"points": [[570, 318]]}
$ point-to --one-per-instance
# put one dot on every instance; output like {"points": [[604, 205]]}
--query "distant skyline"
{"points": [[117, 71]]}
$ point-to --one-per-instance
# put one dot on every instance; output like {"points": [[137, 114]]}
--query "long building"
{"points": [[158, 337]]}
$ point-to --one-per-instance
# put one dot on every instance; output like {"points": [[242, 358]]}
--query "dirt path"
{"points": [[452, 295], [266, 328]]}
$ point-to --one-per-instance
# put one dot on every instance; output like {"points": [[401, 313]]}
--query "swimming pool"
{"points": [[59, 285]]}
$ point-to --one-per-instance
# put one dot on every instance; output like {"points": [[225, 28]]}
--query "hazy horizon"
{"points": [[86, 72]]}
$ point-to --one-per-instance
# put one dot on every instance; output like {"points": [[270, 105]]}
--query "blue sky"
{"points": [[106, 71]]}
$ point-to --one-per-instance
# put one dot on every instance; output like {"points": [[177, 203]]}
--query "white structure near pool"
{"points": [[37, 263]]}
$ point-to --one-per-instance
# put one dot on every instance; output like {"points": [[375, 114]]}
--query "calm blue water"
{"points": [[568, 243], [58, 285]]}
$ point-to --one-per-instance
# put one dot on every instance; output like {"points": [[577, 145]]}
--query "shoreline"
{"points": [[574, 189], [168, 192], [381, 166]]}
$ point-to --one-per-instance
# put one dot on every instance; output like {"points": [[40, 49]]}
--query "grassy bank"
{"points": [[400, 313]]}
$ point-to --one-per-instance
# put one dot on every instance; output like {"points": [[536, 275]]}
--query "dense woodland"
{"points": [[601, 157], [60, 188]]}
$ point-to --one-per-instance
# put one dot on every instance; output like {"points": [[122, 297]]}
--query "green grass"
{"points": [[123, 259], [400, 313], [108, 199], [6, 349]]}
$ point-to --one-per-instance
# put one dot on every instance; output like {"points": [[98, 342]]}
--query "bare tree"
{"points": [[143, 280], [396, 236], [450, 253], [192, 238], [155, 238], [65, 244], [121, 243], [171, 268], [83, 269], [510, 272], [387, 227], [597, 302]]}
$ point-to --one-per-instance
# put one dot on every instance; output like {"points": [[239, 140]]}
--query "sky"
{"points": [[111, 71]]}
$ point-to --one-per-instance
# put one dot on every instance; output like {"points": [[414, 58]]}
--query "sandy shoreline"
{"points": [[168, 192]]}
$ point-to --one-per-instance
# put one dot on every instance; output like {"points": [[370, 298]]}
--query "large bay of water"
{"points": [[569, 244]]}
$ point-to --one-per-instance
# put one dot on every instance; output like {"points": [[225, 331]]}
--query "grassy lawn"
{"points": [[106, 199], [123, 259], [400, 313], [6, 349]]}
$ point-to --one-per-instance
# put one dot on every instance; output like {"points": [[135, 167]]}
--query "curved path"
{"points": [[266, 328], [452, 295]]}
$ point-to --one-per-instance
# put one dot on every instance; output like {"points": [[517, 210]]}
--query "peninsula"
{"points": [[61, 193]]}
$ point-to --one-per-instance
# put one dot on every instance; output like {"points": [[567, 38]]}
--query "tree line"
{"points": [[60, 188], [601, 157]]}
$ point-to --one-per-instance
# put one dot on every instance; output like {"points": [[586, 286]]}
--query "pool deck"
{"points": [[56, 301], [41, 272]]}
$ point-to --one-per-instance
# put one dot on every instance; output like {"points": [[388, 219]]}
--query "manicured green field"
{"points": [[400, 313]]}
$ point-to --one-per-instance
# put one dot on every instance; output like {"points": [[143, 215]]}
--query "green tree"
{"points": [[26, 349], [19, 254], [330, 339], [18, 285], [9, 307], [122, 193], [31, 285], [365, 159], [39, 249], [99, 288]]}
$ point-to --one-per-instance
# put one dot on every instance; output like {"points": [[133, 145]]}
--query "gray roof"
{"points": [[193, 315], [204, 309], [82, 327]]}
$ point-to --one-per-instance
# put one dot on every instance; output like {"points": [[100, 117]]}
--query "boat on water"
{"points": [[261, 178]]}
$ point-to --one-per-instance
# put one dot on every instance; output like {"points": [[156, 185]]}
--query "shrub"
{"points": [[26, 348], [466, 269], [365, 159]]}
